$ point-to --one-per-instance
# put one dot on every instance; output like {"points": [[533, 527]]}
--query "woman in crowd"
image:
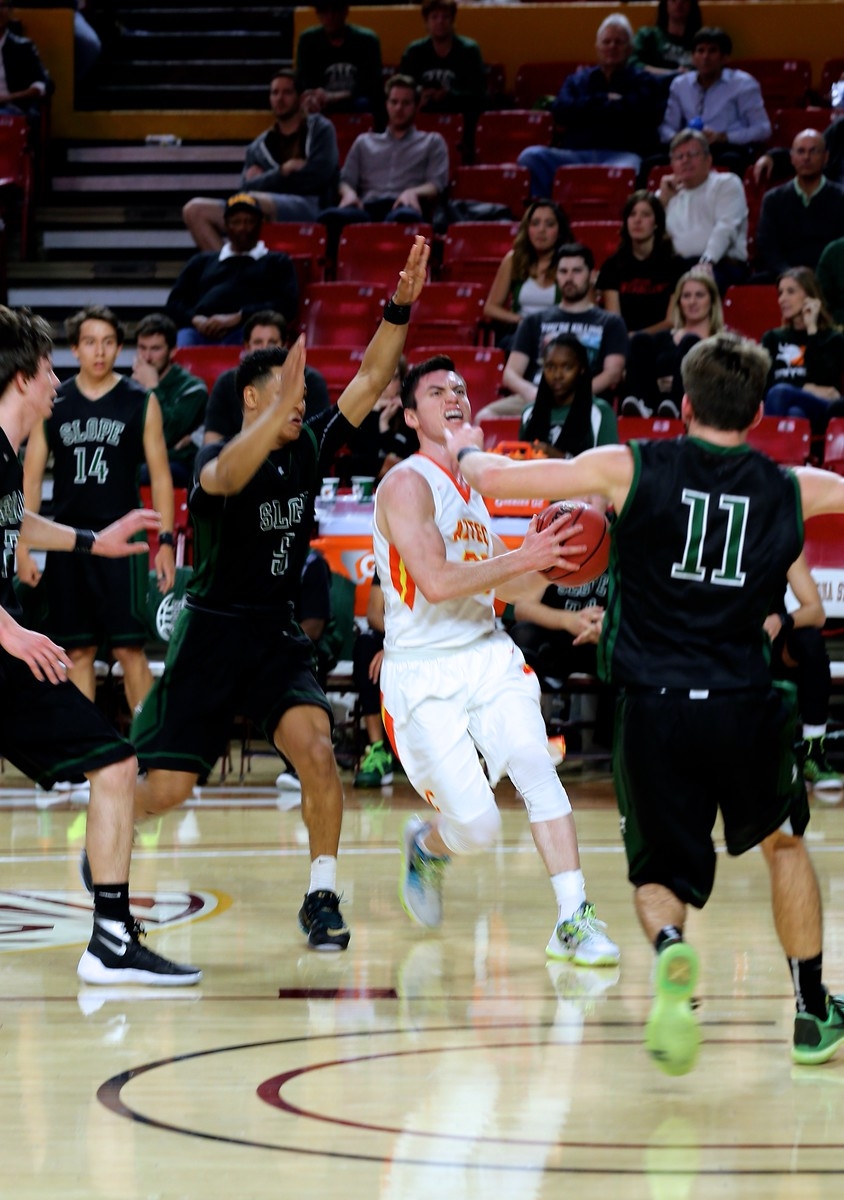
{"points": [[665, 48], [807, 354], [526, 279], [654, 383], [565, 418], [638, 280]]}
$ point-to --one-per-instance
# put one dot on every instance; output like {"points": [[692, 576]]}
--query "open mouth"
{"points": [[454, 416]]}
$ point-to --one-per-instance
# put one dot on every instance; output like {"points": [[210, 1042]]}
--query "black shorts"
{"points": [[96, 601], [219, 668], [678, 760], [50, 731]]}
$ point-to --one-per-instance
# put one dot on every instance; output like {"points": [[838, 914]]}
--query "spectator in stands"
{"points": [[338, 66], [448, 68], [799, 218], [24, 81], [224, 414], [102, 428], [776, 164], [610, 112], [378, 763], [807, 354], [798, 653], [602, 333], [705, 211], [666, 48], [724, 103], [566, 418], [654, 382], [638, 280], [182, 396], [397, 175], [830, 279], [526, 280], [291, 168], [216, 291]]}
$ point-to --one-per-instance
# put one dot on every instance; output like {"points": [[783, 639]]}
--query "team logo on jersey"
{"points": [[165, 615], [36, 919]]}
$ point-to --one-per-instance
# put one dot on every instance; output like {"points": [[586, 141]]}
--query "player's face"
{"points": [[441, 401], [791, 298], [97, 349], [561, 370], [695, 302], [641, 223], [573, 279], [153, 350], [264, 336], [40, 391], [270, 393], [543, 229]]}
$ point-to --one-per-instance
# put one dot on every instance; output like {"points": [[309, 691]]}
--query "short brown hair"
{"points": [[724, 378], [93, 312]]}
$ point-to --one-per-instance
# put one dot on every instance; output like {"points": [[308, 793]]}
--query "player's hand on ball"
{"points": [[555, 547]]}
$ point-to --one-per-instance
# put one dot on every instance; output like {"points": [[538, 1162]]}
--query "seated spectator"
{"points": [[181, 396], [610, 112], [448, 68], [224, 414], [602, 333], [666, 48], [25, 81], [378, 763], [654, 382], [566, 418], [338, 66], [216, 291], [798, 653], [526, 280], [830, 279], [638, 280], [291, 168], [800, 218], [724, 103], [807, 354], [705, 211], [383, 437], [397, 175]]}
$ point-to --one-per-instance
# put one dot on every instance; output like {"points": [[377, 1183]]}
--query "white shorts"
{"points": [[440, 711]]}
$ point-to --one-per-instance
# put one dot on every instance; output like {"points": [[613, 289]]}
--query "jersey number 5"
{"points": [[729, 574]]}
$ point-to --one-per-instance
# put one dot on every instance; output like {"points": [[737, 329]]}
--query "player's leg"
{"points": [[82, 672], [157, 791], [137, 677]]}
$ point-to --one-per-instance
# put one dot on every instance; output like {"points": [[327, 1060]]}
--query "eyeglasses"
{"points": [[686, 155]]}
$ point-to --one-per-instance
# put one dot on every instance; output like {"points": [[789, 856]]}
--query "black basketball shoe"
{"points": [[320, 918], [115, 955]]}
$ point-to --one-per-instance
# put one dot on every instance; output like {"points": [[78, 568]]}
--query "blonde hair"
{"points": [[716, 312]]}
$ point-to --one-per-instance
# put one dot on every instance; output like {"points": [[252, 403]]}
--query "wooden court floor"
{"points": [[458, 1064]]}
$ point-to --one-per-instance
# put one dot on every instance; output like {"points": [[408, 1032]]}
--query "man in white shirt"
{"points": [[705, 211]]}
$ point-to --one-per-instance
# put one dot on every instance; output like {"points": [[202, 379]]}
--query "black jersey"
{"points": [[11, 515], [698, 554], [98, 448], [250, 549]]}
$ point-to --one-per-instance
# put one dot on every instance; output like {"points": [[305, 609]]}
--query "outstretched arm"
{"points": [[115, 541]]}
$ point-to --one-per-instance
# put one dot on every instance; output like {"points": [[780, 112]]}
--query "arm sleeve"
{"points": [[730, 213], [753, 124], [768, 249], [673, 120], [183, 299]]}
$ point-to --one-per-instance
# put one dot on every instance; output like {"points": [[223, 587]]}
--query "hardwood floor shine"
{"points": [[458, 1064]]}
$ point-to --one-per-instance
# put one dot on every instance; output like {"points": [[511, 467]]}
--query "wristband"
{"points": [[396, 314], [166, 539], [461, 454], [85, 539], [787, 622]]}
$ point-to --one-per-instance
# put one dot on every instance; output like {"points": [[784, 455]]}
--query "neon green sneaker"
{"points": [[816, 767], [672, 1035], [376, 768], [816, 1041]]}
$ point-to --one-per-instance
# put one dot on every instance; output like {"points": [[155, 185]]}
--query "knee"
{"points": [[781, 842], [471, 837], [163, 790], [116, 779]]}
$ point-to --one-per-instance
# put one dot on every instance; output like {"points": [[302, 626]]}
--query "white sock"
{"points": [[570, 890], [323, 874], [813, 731]]}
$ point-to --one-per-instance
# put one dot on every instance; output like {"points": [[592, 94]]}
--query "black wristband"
{"points": [[396, 314], [461, 454], [787, 622], [166, 539], [85, 539]]}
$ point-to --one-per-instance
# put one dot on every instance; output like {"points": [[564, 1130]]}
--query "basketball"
{"points": [[595, 535]]}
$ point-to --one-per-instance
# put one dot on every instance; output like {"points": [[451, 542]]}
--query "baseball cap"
{"points": [[242, 202]]}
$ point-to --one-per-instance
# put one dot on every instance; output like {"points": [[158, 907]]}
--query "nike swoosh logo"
{"points": [[116, 946]]}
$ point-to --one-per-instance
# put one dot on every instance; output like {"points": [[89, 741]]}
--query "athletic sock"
{"points": [[570, 891], [323, 874], [667, 935], [809, 992], [111, 901]]}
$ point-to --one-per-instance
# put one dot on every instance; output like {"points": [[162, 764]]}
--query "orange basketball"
{"points": [[595, 536]]}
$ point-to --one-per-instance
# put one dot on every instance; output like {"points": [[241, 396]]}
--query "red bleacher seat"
{"points": [[304, 241], [785, 82], [537, 79], [342, 314], [787, 440], [337, 365], [751, 309], [473, 250], [788, 122], [375, 252], [494, 184], [207, 362], [182, 526], [452, 128], [347, 126], [833, 450], [16, 175], [602, 237], [500, 429], [648, 427], [482, 368], [447, 312], [594, 193], [501, 136]]}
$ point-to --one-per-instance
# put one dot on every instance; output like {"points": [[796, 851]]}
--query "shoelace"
{"points": [[429, 868], [584, 923]]}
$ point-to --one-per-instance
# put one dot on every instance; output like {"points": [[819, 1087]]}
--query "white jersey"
{"points": [[413, 626]]}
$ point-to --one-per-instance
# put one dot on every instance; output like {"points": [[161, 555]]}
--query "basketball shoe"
{"points": [[816, 767], [580, 939], [376, 768], [421, 883], [320, 918], [815, 1041], [115, 955], [672, 1034]]}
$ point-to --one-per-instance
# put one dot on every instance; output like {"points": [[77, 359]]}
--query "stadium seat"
{"points": [[447, 312], [342, 314], [182, 525], [207, 362], [534, 80], [347, 126], [494, 184], [787, 440], [751, 309], [473, 250], [788, 122], [451, 126], [833, 450], [17, 175], [375, 252], [593, 193], [602, 237], [785, 82], [337, 365], [500, 429], [501, 136], [630, 428], [482, 367], [304, 241]]}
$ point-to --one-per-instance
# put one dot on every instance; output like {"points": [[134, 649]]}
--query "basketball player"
{"points": [[236, 649], [452, 686], [707, 528], [102, 429], [49, 729]]}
